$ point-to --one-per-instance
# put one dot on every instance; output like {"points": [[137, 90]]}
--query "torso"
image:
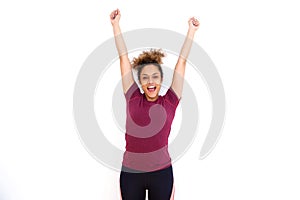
{"points": [[148, 126]]}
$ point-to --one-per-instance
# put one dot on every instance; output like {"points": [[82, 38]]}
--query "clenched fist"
{"points": [[193, 23], [115, 16]]}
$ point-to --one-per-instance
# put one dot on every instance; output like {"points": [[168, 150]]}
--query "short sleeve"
{"points": [[171, 97], [132, 92]]}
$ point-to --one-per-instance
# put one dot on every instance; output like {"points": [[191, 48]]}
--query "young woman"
{"points": [[146, 161]]}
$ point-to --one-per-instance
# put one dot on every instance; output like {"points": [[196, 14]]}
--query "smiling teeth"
{"points": [[151, 86]]}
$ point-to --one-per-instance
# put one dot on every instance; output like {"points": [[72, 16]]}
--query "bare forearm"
{"points": [[186, 47], [184, 53], [120, 43]]}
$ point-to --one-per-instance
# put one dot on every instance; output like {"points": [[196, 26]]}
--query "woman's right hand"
{"points": [[115, 17]]}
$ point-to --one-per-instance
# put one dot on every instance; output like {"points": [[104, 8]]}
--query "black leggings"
{"points": [[159, 184]]}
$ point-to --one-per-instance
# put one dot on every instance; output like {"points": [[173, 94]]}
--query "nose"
{"points": [[150, 80]]}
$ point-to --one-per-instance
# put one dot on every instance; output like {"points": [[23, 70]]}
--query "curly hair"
{"points": [[153, 56]]}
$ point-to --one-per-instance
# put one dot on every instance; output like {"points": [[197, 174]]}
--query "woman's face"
{"points": [[150, 79]]}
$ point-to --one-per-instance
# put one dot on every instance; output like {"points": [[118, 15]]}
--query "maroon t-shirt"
{"points": [[148, 126]]}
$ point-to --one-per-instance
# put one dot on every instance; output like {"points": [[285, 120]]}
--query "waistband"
{"points": [[129, 170]]}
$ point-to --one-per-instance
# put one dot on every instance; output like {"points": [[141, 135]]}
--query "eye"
{"points": [[144, 78], [155, 77]]}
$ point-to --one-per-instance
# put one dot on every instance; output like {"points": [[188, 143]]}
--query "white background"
{"points": [[254, 45]]}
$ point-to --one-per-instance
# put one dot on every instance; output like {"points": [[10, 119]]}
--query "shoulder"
{"points": [[132, 92]]}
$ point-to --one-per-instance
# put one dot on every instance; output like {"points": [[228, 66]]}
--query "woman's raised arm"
{"points": [[178, 76], [126, 72]]}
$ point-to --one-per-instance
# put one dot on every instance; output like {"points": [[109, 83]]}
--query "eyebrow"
{"points": [[152, 74]]}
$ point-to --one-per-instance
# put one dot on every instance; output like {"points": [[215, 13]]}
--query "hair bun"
{"points": [[152, 56]]}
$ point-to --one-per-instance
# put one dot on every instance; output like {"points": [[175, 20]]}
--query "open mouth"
{"points": [[151, 88]]}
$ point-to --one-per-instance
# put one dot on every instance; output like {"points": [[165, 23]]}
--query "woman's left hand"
{"points": [[194, 24]]}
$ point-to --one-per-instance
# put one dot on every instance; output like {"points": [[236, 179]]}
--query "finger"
{"points": [[112, 16], [115, 14], [191, 20], [113, 11], [195, 22]]}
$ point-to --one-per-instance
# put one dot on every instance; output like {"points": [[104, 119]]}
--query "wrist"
{"points": [[191, 33], [115, 25]]}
